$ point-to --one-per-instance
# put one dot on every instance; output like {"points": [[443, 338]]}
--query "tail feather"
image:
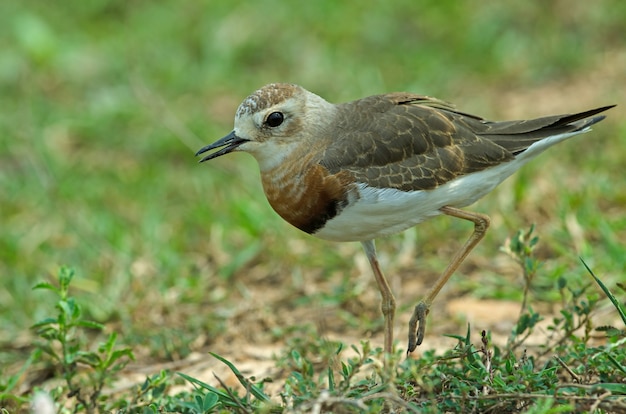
{"points": [[583, 117], [517, 136]]}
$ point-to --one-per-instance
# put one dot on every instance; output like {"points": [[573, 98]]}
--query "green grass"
{"points": [[105, 102]]}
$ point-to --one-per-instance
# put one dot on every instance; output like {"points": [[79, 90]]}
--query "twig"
{"points": [[568, 369]]}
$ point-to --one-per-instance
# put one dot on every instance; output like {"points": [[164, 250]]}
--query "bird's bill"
{"points": [[229, 143]]}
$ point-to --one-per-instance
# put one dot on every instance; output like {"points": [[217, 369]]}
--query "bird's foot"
{"points": [[417, 326]]}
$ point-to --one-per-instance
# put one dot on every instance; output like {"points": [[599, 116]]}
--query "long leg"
{"points": [[417, 324], [388, 305]]}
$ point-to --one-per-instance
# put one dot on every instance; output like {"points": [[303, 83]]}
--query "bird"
{"points": [[372, 167]]}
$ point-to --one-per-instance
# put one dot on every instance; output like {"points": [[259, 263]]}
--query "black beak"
{"points": [[230, 142]]}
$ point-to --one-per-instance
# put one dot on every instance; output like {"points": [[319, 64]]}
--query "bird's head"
{"points": [[272, 122]]}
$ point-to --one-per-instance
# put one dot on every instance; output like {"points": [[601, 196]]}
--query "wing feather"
{"points": [[412, 142]]}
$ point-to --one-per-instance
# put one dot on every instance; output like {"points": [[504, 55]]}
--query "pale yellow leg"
{"points": [[417, 324]]}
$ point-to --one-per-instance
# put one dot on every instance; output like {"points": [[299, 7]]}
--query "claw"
{"points": [[417, 326]]}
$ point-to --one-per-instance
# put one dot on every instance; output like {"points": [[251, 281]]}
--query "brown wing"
{"points": [[412, 142]]}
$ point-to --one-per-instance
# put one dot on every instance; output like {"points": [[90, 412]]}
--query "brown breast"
{"points": [[307, 198]]}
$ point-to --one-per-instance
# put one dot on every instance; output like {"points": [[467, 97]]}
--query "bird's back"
{"points": [[411, 142]]}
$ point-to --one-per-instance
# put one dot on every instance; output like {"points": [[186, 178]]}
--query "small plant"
{"points": [[208, 398], [521, 248], [64, 341], [337, 383]]}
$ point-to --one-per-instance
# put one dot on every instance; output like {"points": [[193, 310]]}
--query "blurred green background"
{"points": [[105, 102]]}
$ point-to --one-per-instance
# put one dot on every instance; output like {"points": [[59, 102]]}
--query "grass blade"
{"points": [[618, 306], [256, 391]]}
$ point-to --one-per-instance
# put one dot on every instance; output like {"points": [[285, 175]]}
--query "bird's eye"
{"points": [[274, 119]]}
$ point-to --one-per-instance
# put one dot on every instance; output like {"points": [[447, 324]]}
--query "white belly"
{"points": [[381, 212]]}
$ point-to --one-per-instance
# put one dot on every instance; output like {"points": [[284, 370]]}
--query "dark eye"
{"points": [[275, 119]]}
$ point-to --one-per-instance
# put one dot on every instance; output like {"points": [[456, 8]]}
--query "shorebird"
{"points": [[369, 168]]}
